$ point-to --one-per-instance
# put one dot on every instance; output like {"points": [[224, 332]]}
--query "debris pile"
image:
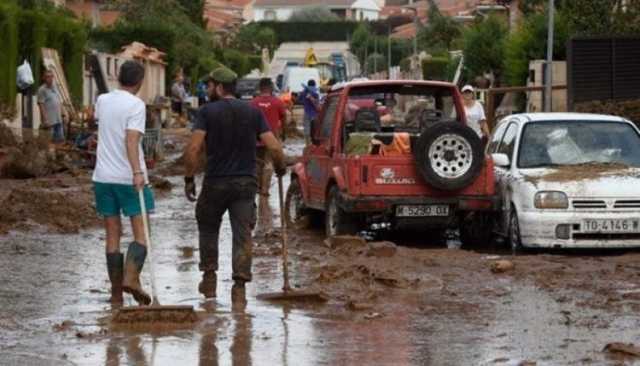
{"points": [[32, 158]]}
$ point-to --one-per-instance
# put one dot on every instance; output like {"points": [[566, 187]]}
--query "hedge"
{"points": [[23, 34], [8, 61], [435, 68], [311, 31]]}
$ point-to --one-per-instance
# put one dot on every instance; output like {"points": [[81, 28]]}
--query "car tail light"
{"points": [[370, 205], [470, 205]]}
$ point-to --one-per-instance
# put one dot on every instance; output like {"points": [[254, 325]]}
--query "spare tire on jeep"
{"points": [[449, 155]]}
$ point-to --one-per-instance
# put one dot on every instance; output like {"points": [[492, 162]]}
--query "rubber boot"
{"points": [[207, 286], [238, 295], [136, 254], [115, 262]]}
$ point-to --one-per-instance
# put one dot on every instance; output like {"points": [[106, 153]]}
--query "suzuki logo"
{"points": [[387, 173]]}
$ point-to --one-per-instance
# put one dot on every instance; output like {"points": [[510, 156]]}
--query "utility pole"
{"points": [[548, 92]]}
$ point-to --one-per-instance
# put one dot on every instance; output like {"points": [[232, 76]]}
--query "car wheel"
{"points": [[476, 231], [338, 222], [449, 155], [295, 212], [514, 232]]}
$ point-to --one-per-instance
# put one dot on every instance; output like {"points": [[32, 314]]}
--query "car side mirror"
{"points": [[501, 160]]}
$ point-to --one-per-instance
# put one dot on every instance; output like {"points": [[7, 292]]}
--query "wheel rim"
{"points": [[295, 206], [450, 156], [515, 232], [333, 213]]}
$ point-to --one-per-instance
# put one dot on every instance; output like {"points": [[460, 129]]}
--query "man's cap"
{"points": [[223, 75], [467, 88]]}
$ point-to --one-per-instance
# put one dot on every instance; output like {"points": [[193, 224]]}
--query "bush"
{"points": [[8, 61], [376, 63], [435, 68], [629, 109], [314, 14]]}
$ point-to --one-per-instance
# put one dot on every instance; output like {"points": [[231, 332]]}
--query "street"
{"points": [[422, 305]]}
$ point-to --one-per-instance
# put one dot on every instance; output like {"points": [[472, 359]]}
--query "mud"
{"points": [[422, 305], [585, 171]]}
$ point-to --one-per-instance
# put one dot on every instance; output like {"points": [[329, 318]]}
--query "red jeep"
{"points": [[395, 154]]}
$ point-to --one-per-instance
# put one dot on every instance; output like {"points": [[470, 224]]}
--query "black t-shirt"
{"points": [[232, 128]]}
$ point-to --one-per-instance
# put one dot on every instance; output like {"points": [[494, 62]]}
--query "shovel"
{"points": [[288, 294], [154, 312]]}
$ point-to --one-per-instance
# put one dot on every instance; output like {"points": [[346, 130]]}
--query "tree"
{"points": [[440, 32], [529, 42], [313, 14], [484, 47], [194, 10], [359, 42], [254, 37]]}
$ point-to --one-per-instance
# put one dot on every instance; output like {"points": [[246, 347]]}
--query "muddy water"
{"points": [[554, 309]]}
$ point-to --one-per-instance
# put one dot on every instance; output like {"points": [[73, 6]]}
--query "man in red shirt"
{"points": [[276, 114]]}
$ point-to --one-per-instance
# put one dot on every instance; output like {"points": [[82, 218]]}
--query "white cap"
{"points": [[467, 88]]}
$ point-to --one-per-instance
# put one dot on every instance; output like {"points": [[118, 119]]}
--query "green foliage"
{"points": [[254, 37], [311, 31], [484, 46], [313, 14], [9, 52], [435, 68], [236, 61], [376, 62], [440, 33], [194, 10], [364, 43], [529, 42]]}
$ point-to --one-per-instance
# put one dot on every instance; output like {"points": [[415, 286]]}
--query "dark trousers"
{"points": [[236, 195]]}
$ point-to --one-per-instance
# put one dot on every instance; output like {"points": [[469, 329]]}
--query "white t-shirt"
{"points": [[117, 112], [475, 117]]}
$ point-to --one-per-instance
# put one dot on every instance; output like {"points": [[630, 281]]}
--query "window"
{"points": [[497, 137], [509, 141], [329, 117], [270, 15]]}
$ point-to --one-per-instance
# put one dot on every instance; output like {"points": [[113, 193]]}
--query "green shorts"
{"points": [[115, 199]]}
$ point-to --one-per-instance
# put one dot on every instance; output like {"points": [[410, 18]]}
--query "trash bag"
{"points": [[25, 76]]}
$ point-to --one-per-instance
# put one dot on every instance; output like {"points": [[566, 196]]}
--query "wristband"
{"points": [[188, 180], [138, 172]]}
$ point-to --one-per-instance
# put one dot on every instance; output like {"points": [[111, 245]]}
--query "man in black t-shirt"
{"points": [[229, 129]]}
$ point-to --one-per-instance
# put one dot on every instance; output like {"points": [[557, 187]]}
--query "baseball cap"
{"points": [[467, 88], [222, 74]]}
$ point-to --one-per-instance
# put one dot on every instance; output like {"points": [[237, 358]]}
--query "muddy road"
{"points": [[417, 303]]}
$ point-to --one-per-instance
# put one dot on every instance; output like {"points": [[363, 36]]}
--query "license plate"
{"points": [[610, 226], [422, 210]]}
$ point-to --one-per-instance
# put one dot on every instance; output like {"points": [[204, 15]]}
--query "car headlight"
{"points": [[551, 199]]}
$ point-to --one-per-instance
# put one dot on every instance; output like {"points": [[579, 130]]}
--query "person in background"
{"points": [[310, 99], [178, 94], [119, 175], [276, 114], [201, 92], [50, 104], [474, 110]]}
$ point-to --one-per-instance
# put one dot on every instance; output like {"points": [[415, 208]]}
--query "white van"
{"points": [[296, 77]]}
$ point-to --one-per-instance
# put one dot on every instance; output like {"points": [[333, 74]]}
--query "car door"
{"points": [[504, 175], [319, 162]]}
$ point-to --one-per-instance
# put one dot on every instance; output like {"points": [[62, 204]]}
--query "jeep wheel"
{"points": [[449, 155], [476, 231], [295, 211], [338, 222]]}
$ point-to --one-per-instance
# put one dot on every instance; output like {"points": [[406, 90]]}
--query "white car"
{"points": [[568, 180]]}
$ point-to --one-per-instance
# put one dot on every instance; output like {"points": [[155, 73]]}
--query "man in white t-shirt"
{"points": [[119, 175], [476, 118]]}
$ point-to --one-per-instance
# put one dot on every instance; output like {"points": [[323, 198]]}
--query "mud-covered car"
{"points": [[568, 180], [395, 154]]}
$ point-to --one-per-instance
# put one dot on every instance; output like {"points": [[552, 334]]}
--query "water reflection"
{"points": [[208, 349], [242, 334], [133, 352]]}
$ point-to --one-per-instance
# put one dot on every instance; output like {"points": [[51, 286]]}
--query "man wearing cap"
{"points": [[476, 118], [228, 129], [276, 114]]}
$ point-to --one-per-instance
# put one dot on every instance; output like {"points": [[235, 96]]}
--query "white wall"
{"points": [[281, 13]]}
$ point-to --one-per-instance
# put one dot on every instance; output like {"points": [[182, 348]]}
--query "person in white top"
{"points": [[474, 110], [119, 175]]}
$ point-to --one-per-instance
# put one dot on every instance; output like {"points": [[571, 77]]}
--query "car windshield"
{"points": [[559, 143]]}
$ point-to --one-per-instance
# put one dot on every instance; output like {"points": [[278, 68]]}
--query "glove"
{"points": [[190, 189], [280, 169]]}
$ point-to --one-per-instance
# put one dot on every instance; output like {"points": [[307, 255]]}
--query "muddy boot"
{"points": [[238, 295], [115, 262], [136, 254], [207, 286]]}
